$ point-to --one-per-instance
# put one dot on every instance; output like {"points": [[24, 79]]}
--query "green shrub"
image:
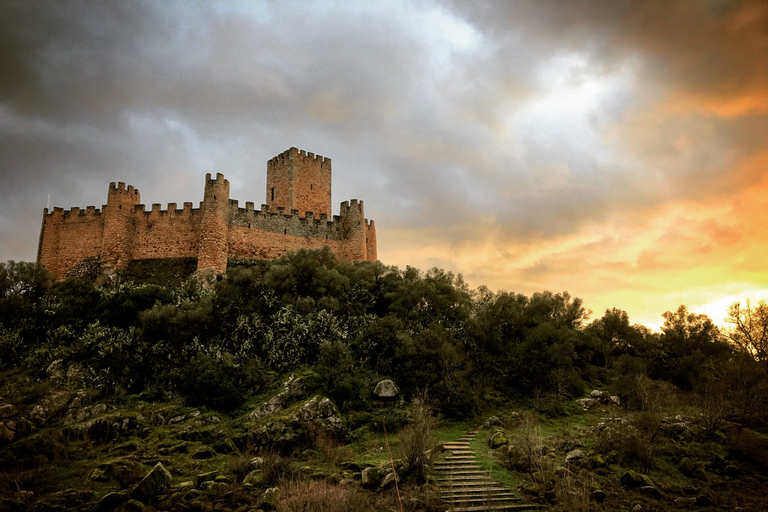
{"points": [[210, 382]]}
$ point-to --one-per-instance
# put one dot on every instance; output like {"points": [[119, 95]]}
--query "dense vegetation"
{"points": [[158, 336], [358, 323]]}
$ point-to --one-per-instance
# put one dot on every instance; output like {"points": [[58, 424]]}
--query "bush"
{"points": [[210, 382]]}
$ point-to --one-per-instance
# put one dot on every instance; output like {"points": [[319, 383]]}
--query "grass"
{"points": [[486, 459]]}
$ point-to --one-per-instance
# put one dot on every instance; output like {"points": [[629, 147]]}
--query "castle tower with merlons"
{"points": [[297, 214]]}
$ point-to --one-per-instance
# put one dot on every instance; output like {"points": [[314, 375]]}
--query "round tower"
{"points": [[119, 232], [214, 231], [354, 231]]}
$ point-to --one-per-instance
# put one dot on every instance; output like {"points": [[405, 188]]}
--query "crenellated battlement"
{"points": [[172, 211], [297, 214], [74, 212], [297, 153]]}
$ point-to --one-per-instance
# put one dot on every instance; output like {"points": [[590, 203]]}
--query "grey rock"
{"points": [[388, 481], [50, 407], [633, 480], [493, 421], [253, 478], [615, 400], [498, 440], [586, 403], [111, 501], [598, 495], [651, 492], [574, 455], [386, 389], [201, 478], [156, 481], [370, 478], [270, 498], [596, 393], [7, 410]]}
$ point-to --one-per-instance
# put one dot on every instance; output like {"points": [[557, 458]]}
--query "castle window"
{"points": [[249, 225], [285, 231], [214, 196], [119, 207], [310, 186], [272, 191]]}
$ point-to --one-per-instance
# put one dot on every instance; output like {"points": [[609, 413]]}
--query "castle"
{"points": [[297, 214]]}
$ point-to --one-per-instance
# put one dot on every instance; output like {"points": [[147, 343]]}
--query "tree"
{"points": [[749, 329], [688, 341]]}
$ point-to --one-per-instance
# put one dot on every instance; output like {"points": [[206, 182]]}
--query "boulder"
{"points": [[586, 403], [596, 393], [493, 421], [252, 478], [386, 389], [615, 400], [320, 415], [7, 430], [598, 495], [574, 456], [201, 478], [633, 480], [133, 506], [112, 500], [49, 407], [370, 478], [387, 481], [270, 498], [292, 388], [7, 411], [651, 492], [156, 481], [498, 440]]}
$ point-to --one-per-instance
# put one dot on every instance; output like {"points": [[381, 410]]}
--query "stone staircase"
{"points": [[464, 487]]}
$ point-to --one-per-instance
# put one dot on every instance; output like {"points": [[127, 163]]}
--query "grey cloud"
{"points": [[158, 93]]}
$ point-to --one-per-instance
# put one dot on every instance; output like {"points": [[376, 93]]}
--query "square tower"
{"points": [[297, 180]]}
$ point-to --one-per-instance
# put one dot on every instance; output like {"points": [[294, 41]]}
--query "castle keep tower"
{"points": [[297, 180], [297, 215]]}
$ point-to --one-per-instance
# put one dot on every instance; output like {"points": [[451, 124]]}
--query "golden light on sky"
{"points": [[616, 150]]}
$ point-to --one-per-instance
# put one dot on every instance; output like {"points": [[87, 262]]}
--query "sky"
{"points": [[617, 150]]}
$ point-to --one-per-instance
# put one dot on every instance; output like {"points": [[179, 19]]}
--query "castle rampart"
{"points": [[123, 230]]}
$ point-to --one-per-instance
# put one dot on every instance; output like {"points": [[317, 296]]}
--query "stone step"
{"points": [[480, 496], [484, 508], [497, 489], [463, 478], [482, 499], [478, 484]]}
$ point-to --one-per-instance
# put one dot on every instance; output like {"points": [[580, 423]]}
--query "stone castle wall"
{"points": [[124, 231]]}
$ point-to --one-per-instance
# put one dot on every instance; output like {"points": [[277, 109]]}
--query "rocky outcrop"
{"points": [[293, 388]]}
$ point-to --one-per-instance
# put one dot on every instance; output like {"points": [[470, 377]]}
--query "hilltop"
{"points": [[274, 388]]}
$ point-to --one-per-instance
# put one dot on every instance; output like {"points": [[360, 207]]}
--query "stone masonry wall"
{"points": [[171, 233], [68, 237], [123, 231]]}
